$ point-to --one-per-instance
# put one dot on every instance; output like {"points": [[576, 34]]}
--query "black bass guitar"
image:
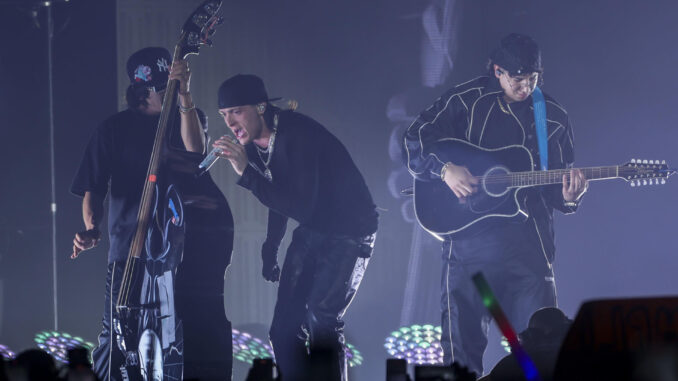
{"points": [[502, 173], [148, 331]]}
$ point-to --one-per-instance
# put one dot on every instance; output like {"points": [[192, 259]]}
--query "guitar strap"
{"points": [[539, 106]]}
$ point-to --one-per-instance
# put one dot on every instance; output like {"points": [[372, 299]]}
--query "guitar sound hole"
{"points": [[493, 191], [496, 181]]}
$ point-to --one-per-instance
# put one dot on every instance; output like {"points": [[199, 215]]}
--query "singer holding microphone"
{"points": [[299, 170]]}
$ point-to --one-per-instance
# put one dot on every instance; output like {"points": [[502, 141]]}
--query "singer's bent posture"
{"points": [[299, 170]]}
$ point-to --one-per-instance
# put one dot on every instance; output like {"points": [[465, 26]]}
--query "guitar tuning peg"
{"points": [[633, 184], [663, 181], [656, 181], [651, 162], [663, 161], [633, 161], [645, 161]]}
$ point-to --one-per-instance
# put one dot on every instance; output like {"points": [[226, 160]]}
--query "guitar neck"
{"points": [[146, 205], [555, 176]]}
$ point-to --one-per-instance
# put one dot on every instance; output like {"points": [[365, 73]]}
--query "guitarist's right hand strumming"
{"points": [[459, 179]]}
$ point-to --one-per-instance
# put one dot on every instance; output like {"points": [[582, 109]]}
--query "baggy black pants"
{"points": [[199, 301], [320, 276], [511, 259]]}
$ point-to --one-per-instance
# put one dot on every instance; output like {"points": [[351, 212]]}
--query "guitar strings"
{"points": [[553, 176]]}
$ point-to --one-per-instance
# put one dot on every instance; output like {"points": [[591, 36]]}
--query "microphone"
{"points": [[208, 161], [211, 158]]}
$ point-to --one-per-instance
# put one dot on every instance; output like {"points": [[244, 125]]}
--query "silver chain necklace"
{"points": [[268, 150]]}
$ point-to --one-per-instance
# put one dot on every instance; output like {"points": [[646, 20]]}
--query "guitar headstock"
{"points": [[199, 28], [645, 172]]}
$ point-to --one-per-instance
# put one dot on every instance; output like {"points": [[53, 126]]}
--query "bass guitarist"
{"points": [[114, 164], [515, 254]]}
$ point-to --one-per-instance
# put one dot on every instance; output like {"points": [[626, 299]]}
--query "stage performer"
{"points": [[299, 170], [115, 164], [515, 255]]}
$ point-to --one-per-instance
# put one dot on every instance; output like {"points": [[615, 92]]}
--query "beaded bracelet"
{"points": [[184, 110]]}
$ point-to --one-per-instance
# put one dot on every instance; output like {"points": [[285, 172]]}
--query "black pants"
{"points": [[511, 259], [320, 277], [199, 301]]}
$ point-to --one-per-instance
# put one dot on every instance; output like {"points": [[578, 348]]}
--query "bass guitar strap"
{"points": [[539, 106]]}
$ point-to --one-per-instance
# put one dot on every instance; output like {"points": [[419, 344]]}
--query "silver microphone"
{"points": [[211, 158]]}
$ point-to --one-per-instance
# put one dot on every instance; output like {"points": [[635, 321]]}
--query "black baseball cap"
{"points": [[150, 66], [519, 54], [242, 89]]}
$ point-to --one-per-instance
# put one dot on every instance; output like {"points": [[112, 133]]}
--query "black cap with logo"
{"points": [[150, 66]]}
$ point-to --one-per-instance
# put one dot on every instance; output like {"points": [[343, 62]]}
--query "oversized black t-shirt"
{"points": [[313, 180], [115, 162]]}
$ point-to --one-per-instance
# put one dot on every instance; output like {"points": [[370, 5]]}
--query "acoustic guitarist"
{"points": [[516, 254], [117, 156]]}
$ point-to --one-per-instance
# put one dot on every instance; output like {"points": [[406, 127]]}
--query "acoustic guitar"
{"points": [[502, 174]]}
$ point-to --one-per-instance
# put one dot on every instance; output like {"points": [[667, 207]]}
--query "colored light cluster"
{"points": [[505, 344], [418, 344], [246, 347], [6, 352], [58, 343], [353, 356]]}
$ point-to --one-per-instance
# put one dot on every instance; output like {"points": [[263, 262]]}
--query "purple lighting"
{"points": [[6, 352], [418, 344], [57, 344], [246, 347]]}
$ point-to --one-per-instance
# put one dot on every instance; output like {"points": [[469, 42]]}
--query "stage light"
{"points": [[246, 347], [505, 344], [57, 344], [418, 344], [6, 352], [353, 356]]}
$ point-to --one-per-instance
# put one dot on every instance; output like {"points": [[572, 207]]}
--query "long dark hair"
{"points": [[136, 95]]}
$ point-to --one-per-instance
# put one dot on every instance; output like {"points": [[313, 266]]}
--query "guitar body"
{"points": [[441, 213], [502, 174]]}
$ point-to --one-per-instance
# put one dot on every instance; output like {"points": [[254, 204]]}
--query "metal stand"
{"points": [[34, 8]]}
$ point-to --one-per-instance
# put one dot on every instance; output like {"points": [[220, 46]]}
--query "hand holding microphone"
{"points": [[229, 148], [212, 157]]}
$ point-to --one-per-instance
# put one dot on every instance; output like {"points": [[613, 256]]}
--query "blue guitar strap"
{"points": [[539, 106]]}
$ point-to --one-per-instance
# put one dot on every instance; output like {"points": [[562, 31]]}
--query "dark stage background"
{"points": [[364, 69]]}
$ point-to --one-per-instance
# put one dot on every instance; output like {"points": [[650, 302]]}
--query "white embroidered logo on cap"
{"points": [[162, 64]]}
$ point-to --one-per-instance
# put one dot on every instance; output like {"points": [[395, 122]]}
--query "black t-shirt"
{"points": [[314, 179], [115, 163]]}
